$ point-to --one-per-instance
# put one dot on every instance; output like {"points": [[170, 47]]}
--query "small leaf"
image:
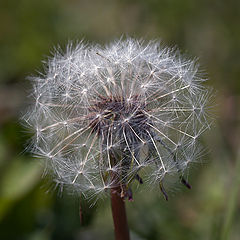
{"points": [[20, 178]]}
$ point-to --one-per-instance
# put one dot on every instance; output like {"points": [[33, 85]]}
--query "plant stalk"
{"points": [[119, 215]]}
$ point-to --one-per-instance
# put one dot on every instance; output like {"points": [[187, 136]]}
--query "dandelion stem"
{"points": [[119, 214]]}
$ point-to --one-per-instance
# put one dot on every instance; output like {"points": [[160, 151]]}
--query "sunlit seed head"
{"points": [[132, 108]]}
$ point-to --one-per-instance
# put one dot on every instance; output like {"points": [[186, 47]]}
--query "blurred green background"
{"points": [[31, 209]]}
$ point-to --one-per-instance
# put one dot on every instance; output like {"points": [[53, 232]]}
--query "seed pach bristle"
{"points": [[134, 110]]}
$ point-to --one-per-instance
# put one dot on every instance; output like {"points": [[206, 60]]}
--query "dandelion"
{"points": [[108, 117]]}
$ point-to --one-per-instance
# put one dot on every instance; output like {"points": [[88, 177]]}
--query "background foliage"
{"points": [[30, 207]]}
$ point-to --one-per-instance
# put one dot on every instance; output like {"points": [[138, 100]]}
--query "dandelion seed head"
{"points": [[132, 108]]}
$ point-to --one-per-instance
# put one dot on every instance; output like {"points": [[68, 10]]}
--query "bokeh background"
{"points": [[31, 208]]}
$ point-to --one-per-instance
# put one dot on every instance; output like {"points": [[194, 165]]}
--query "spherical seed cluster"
{"points": [[114, 115]]}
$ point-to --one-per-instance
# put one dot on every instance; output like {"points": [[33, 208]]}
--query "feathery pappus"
{"points": [[131, 111]]}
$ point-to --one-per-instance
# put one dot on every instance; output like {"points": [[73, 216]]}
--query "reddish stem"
{"points": [[119, 215]]}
